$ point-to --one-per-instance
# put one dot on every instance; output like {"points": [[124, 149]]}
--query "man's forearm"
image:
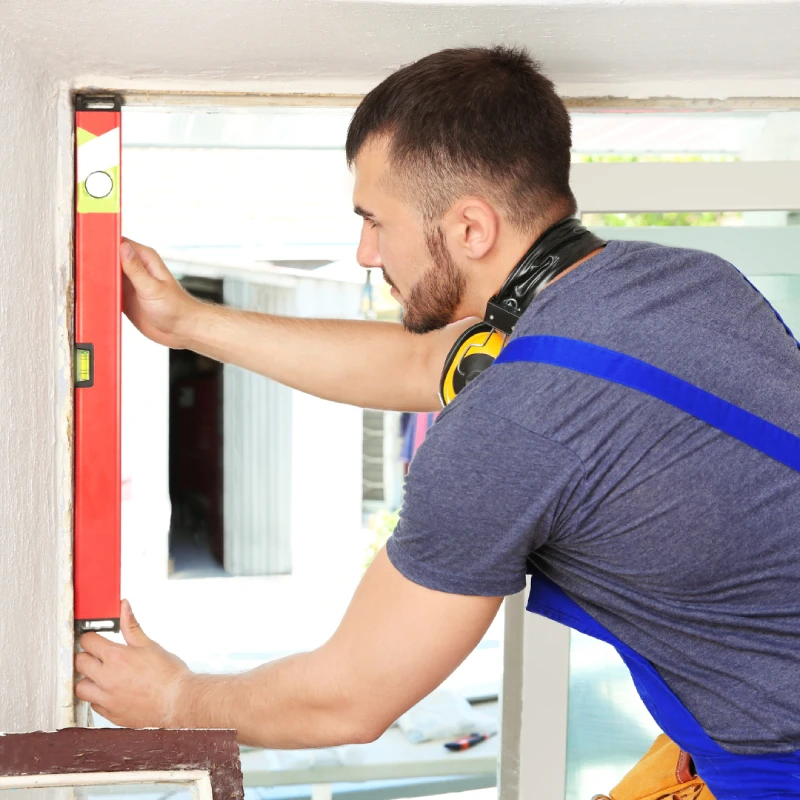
{"points": [[280, 705], [363, 363]]}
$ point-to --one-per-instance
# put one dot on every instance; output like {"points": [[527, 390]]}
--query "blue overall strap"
{"points": [[600, 362], [729, 776]]}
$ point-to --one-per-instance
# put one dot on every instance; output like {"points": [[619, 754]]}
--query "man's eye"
{"points": [[372, 223]]}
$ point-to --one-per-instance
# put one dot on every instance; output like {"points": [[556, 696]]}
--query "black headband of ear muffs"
{"points": [[555, 251]]}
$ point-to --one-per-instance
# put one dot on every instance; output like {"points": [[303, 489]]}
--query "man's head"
{"points": [[460, 159]]}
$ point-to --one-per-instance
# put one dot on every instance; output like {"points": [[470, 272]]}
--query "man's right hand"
{"points": [[152, 299]]}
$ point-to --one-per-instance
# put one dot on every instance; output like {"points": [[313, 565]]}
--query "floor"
{"points": [[190, 558]]}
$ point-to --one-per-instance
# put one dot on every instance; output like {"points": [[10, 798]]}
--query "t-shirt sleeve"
{"points": [[481, 495]]}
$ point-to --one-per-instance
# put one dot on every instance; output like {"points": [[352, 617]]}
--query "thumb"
{"points": [[142, 265], [132, 631]]}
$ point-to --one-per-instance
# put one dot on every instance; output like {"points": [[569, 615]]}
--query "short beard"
{"points": [[434, 299]]}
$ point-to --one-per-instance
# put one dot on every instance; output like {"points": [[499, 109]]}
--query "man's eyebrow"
{"points": [[362, 213]]}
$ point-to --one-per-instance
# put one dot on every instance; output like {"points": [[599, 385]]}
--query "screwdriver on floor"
{"points": [[468, 741]]}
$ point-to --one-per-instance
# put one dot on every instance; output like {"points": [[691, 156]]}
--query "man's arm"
{"points": [[397, 642], [368, 364]]}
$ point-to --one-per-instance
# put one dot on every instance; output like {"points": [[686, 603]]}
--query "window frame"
{"points": [[527, 661], [206, 760]]}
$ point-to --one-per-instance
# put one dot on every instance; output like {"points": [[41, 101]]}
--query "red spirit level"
{"points": [[97, 362]]}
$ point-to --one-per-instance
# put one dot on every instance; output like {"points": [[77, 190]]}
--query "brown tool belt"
{"points": [[665, 773]]}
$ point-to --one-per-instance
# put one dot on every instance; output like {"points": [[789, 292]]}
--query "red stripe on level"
{"points": [[98, 300], [97, 122]]}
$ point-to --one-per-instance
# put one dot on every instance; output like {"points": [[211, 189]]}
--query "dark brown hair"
{"points": [[473, 120]]}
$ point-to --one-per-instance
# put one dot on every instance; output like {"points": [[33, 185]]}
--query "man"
{"points": [[671, 538]]}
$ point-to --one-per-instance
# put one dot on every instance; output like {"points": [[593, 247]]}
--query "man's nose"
{"points": [[367, 254]]}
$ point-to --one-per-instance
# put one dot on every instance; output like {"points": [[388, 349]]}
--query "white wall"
{"points": [[35, 509]]}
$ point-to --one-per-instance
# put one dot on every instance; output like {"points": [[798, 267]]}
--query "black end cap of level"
{"points": [[98, 102], [96, 626]]}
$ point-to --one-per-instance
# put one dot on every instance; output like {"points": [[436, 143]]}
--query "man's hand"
{"points": [[152, 299], [134, 686]]}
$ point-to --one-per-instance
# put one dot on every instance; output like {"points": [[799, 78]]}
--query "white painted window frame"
{"points": [[198, 781], [536, 677], [694, 186]]}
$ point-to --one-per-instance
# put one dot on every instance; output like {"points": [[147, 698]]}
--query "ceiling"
{"points": [[348, 45]]}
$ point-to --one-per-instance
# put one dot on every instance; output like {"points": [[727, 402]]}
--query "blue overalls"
{"points": [[729, 776]]}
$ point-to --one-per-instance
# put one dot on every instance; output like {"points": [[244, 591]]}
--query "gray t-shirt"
{"points": [[682, 541]]}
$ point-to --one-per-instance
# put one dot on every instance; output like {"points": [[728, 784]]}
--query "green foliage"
{"points": [[381, 525], [648, 158], [664, 219]]}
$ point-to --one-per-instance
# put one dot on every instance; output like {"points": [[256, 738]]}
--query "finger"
{"points": [[128, 295], [97, 645], [88, 691], [134, 269], [131, 630], [103, 712], [133, 266], [142, 260], [88, 665]]}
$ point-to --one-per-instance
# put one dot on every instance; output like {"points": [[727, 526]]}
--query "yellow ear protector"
{"points": [[474, 352], [556, 250]]}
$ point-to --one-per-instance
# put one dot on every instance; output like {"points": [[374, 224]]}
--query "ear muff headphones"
{"points": [[556, 250], [474, 352]]}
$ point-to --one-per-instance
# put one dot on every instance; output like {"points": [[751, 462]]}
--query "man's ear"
{"points": [[473, 226]]}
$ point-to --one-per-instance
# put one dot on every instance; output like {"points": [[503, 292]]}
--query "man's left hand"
{"points": [[134, 686]]}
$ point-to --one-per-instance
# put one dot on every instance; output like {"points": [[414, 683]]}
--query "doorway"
{"points": [[196, 533]]}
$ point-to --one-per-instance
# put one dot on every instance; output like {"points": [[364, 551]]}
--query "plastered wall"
{"points": [[35, 643]]}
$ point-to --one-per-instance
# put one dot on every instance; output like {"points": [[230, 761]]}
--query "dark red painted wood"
{"points": [[77, 750]]}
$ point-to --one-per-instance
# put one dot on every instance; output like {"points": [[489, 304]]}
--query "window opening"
{"points": [[246, 501]]}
